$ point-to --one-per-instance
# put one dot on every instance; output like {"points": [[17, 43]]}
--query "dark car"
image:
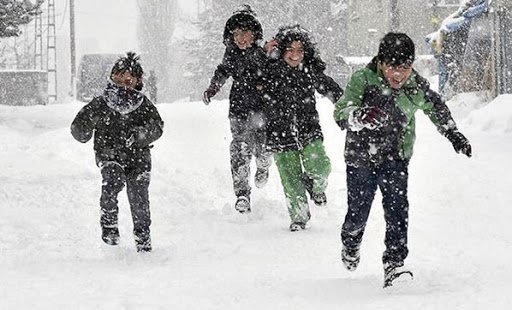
{"points": [[93, 75]]}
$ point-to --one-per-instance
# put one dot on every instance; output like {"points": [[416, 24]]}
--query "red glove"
{"points": [[371, 117]]}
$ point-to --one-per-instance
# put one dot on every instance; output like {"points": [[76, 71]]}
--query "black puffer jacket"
{"points": [[113, 127], [245, 67], [290, 105]]}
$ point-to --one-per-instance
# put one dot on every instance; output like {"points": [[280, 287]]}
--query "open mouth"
{"points": [[398, 81]]}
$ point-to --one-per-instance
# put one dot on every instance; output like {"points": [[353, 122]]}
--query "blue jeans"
{"points": [[391, 177]]}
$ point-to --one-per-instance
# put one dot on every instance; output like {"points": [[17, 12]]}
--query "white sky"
{"points": [[106, 25]]}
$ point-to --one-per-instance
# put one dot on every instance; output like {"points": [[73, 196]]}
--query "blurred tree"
{"points": [[14, 13], [157, 21]]}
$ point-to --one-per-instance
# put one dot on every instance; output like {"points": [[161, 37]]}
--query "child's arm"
{"points": [[326, 86], [152, 130], [439, 113], [85, 121], [220, 76], [351, 99]]}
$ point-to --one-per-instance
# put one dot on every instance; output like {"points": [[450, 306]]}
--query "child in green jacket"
{"points": [[377, 110]]}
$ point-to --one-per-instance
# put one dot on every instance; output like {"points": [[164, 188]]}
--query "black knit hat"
{"points": [[129, 63], [396, 49], [244, 18]]}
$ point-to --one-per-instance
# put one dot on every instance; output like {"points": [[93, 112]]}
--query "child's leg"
{"points": [[361, 188], [113, 176], [317, 165], [259, 138], [393, 185], [290, 170], [240, 152], [137, 184]]}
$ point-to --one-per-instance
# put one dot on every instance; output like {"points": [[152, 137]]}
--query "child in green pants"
{"points": [[293, 129]]}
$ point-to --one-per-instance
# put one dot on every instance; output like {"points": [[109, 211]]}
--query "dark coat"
{"points": [[245, 67], [290, 105], [112, 129]]}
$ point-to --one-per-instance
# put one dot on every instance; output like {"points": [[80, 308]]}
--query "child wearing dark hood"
{"points": [[243, 61], [124, 123], [293, 129], [377, 110]]}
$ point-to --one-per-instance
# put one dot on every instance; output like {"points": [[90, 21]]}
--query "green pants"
{"points": [[317, 167]]}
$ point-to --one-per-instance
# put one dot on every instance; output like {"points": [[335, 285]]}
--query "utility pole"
{"points": [[38, 42], [73, 46], [51, 52], [395, 16]]}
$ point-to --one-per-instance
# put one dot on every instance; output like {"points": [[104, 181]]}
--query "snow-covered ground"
{"points": [[206, 256]]}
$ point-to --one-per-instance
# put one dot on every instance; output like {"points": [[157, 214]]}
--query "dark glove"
{"points": [[136, 135], [209, 93], [342, 124], [459, 142], [371, 117], [132, 138]]}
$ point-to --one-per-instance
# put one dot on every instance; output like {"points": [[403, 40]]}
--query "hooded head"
{"points": [[128, 64], [245, 19], [295, 33], [396, 49]]}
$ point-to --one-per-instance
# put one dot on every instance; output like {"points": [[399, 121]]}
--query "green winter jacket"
{"points": [[395, 139]]}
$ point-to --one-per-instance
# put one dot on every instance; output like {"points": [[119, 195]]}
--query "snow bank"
{"points": [[206, 256]]}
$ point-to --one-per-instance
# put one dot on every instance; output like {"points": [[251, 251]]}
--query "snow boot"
{"points": [[295, 226], [143, 244], [243, 204], [318, 198], [261, 177], [110, 235], [394, 271], [350, 258]]}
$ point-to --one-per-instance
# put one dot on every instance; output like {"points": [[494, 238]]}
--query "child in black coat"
{"points": [[293, 129], [124, 124], [243, 61]]}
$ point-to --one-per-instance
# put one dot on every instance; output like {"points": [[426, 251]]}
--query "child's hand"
{"points": [[130, 140], [209, 93], [270, 46], [367, 117]]}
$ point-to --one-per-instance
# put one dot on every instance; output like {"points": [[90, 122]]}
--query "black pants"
{"points": [[391, 177], [249, 139], [137, 182]]}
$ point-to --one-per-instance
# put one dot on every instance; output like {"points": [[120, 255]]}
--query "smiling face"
{"points": [[396, 76], [243, 38], [294, 54]]}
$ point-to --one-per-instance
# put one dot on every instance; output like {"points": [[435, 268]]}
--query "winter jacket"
{"points": [[245, 67], [395, 139], [113, 126], [290, 105]]}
